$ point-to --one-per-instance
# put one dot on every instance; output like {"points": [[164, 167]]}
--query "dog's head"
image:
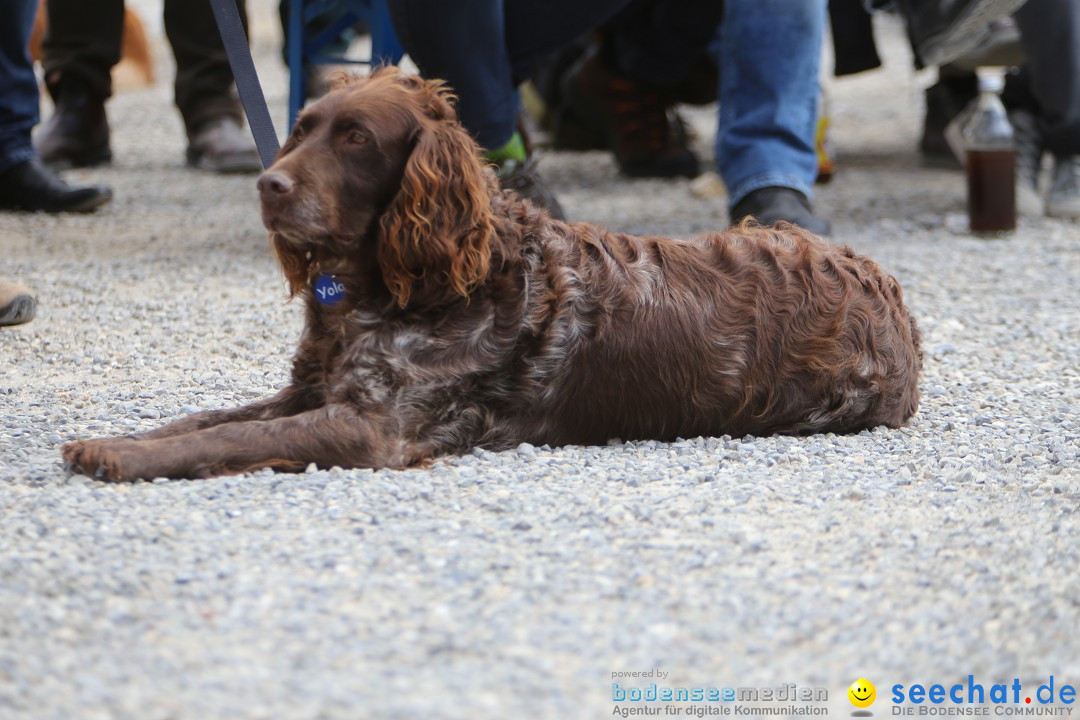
{"points": [[380, 172]]}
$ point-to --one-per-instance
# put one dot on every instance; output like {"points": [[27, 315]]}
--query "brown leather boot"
{"points": [[223, 145], [77, 134], [643, 130]]}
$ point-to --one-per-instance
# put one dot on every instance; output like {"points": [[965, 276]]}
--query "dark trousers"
{"points": [[485, 48], [83, 43], [1050, 34], [660, 43]]}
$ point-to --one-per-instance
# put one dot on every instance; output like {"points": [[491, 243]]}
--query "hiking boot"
{"points": [[522, 178], [1063, 200], [222, 145], [943, 30], [768, 205], [17, 303], [77, 134], [638, 121], [34, 187]]}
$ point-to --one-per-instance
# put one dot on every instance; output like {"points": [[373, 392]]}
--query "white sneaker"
{"points": [[1029, 156], [1063, 200]]}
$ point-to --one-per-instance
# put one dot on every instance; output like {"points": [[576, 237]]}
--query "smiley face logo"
{"points": [[862, 693]]}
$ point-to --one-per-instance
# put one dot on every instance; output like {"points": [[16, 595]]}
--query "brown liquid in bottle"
{"points": [[991, 177]]}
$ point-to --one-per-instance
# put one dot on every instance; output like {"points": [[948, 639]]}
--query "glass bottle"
{"points": [[990, 159]]}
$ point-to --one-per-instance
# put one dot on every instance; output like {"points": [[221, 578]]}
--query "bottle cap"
{"points": [[991, 79]]}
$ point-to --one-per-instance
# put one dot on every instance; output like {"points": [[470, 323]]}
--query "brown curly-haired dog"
{"points": [[443, 314]]}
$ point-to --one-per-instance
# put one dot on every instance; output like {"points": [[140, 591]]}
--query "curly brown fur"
{"points": [[472, 318]]}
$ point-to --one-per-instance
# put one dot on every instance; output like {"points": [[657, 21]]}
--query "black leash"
{"points": [[227, 16]]}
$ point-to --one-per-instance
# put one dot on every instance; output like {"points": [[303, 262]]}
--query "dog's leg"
{"points": [[331, 435], [290, 401]]}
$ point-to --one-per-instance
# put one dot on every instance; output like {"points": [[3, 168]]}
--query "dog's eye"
{"points": [[356, 137]]}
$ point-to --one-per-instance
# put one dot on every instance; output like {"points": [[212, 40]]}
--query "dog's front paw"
{"points": [[100, 459]]}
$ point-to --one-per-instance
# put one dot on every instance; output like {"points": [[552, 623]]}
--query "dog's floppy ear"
{"points": [[438, 230]]}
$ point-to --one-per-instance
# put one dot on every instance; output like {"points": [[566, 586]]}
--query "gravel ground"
{"points": [[515, 584]]}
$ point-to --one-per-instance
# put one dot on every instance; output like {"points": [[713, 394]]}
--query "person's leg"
{"points": [[769, 58], [651, 56], [82, 44], [464, 43], [80, 47], [26, 184], [204, 80], [661, 43], [1050, 35], [854, 47], [213, 116], [536, 29], [484, 48], [625, 87], [18, 86]]}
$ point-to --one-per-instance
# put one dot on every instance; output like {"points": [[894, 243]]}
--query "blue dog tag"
{"points": [[328, 290]]}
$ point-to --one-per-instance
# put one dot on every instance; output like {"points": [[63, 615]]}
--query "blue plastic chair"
{"points": [[302, 50]]}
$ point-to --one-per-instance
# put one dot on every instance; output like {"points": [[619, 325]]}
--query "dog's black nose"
{"points": [[275, 182]]}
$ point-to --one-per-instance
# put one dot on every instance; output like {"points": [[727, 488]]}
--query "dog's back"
{"points": [[750, 331]]}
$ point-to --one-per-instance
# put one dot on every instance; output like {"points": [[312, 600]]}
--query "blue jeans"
{"points": [[769, 53], [18, 87]]}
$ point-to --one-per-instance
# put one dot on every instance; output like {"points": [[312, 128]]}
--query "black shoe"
{"points": [[522, 178], [771, 204], [33, 187], [639, 122], [944, 30], [77, 134]]}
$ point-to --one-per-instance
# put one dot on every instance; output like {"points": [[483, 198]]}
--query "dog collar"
{"points": [[329, 291]]}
